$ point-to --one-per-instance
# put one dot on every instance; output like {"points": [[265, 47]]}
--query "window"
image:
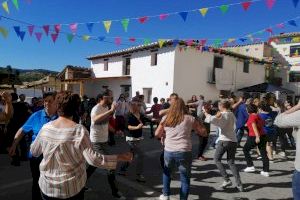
{"points": [[147, 92], [126, 66], [105, 64], [295, 51], [294, 77], [153, 58], [246, 66], [218, 63]]}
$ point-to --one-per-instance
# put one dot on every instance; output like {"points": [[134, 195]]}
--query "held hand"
{"points": [[12, 151], [125, 157], [140, 126], [257, 140]]}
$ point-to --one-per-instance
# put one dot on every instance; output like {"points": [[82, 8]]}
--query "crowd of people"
{"points": [[61, 132]]}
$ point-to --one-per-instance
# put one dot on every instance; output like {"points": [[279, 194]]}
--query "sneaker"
{"points": [[119, 195], [140, 178], [240, 188], [249, 169], [163, 197], [259, 158], [266, 174], [282, 155], [202, 158], [226, 184]]}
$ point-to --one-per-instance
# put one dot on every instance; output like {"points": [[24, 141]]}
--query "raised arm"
{"points": [[8, 110], [290, 118], [99, 118]]}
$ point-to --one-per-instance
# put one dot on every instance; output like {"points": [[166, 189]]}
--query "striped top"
{"points": [[63, 168]]}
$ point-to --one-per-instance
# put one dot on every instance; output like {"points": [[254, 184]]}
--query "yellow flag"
{"points": [[231, 40], [5, 6], [107, 25], [203, 11], [86, 37], [161, 43], [4, 32]]}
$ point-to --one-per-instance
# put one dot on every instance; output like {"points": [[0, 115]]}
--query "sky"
{"points": [[31, 54]]}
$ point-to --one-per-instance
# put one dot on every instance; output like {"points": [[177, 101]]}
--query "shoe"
{"points": [[266, 174], [259, 158], [271, 160], [240, 188], [249, 169], [87, 189], [163, 197], [119, 195], [282, 155], [226, 184], [202, 158], [140, 178]]}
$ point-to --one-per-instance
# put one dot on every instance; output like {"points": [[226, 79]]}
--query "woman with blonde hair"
{"points": [[176, 129]]}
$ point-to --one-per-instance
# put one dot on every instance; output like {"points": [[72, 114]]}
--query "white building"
{"points": [[158, 72]]}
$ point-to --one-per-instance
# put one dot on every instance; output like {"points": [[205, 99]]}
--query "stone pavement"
{"points": [[15, 182]]}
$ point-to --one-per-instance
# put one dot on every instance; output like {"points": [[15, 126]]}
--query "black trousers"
{"points": [[202, 145], [250, 143], [35, 172], [79, 196]]}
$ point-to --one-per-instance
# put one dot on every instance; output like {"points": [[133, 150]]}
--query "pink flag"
{"points": [[38, 36], [269, 30], [30, 29], [57, 28], [270, 3], [54, 37], [246, 5], [118, 40], [280, 25], [46, 29], [132, 39], [142, 20], [189, 42], [73, 27], [163, 16], [203, 42]]}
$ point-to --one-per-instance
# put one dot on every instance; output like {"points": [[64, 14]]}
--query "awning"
{"points": [[265, 88]]}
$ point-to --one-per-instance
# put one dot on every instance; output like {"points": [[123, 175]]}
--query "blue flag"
{"points": [[90, 26], [183, 15]]}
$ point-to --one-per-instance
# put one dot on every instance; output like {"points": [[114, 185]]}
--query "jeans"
{"points": [[229, 148], [79, 196], [35, 172], [296, 185], [182, 160], [102, 148], [239, 134], [202, 145], [250, 143]]}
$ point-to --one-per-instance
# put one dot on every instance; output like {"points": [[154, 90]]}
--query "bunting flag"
{"points": [[57, 28], [125, 23], [246, 5], [269, 30], [5, 6], [16, 4], [243, 39], [73, 27], [90, 26], [270, 3], [132, 39], [161, 42], [86, 37], [295, 2], [107, 25], [46, 29], [175, 42], [142, 20], [281, 25], [183, 15], [70, 37], [147, 41], [190, 42], [54, 37], [118, 41], [231, 40], [4, 32], [224, 8], [101, 38], [217, 43], [30, 29], [17, 30], [203, 42], [163, 16], [22, 35], [292, 23], [38, 36], [203, 11]]}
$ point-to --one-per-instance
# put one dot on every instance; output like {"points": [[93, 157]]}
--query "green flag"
{"points": [[70, 37], [224, 8], [16, 4], [147, 41], [125, 23]]}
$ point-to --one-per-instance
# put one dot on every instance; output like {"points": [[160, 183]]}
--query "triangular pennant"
{"points": [[203, 42], [54, 37], [73, 27], [16, 4], [147, 41], [292, 23], [17, 30], [231, 40], [38, 36], [57, 28], [189, 42], [125, 23], [224, 8], [260, 32], [163, 16], [30, 29], [295, 3], [101, 38], [280, 25], [161, 42], [70, 37], [132, 39], [90, 27], [4, 32], [270, 30], [225, 44], [142, 20], [217, 42], [46, 29], [175, 42], [243, 39], [203, 11], [118, 41], [183, 15], [22, 35], [270, 3], [86, 37], [5, 6], [246, 5], [107, 25]]}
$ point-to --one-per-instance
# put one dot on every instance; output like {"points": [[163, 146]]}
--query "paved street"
{"points": [[15, 182]]}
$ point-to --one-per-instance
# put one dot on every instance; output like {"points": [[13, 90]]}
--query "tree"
{"points": [[12, 77]]}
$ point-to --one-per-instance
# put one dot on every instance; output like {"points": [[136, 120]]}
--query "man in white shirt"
{"points": [[100, 115]]}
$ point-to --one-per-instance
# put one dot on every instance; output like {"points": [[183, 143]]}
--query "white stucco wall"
{"points": [[284, 50], [254, 50], [115, 67]]}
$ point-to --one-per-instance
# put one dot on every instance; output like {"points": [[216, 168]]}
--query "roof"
{"points": [[79, 69], [155, 45], [244, 45], [266, 87], [75, 80], [284, 35]]}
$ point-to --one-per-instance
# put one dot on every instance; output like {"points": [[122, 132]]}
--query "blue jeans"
{"points": [[239, 134], [182, 160], [296, 185]]}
